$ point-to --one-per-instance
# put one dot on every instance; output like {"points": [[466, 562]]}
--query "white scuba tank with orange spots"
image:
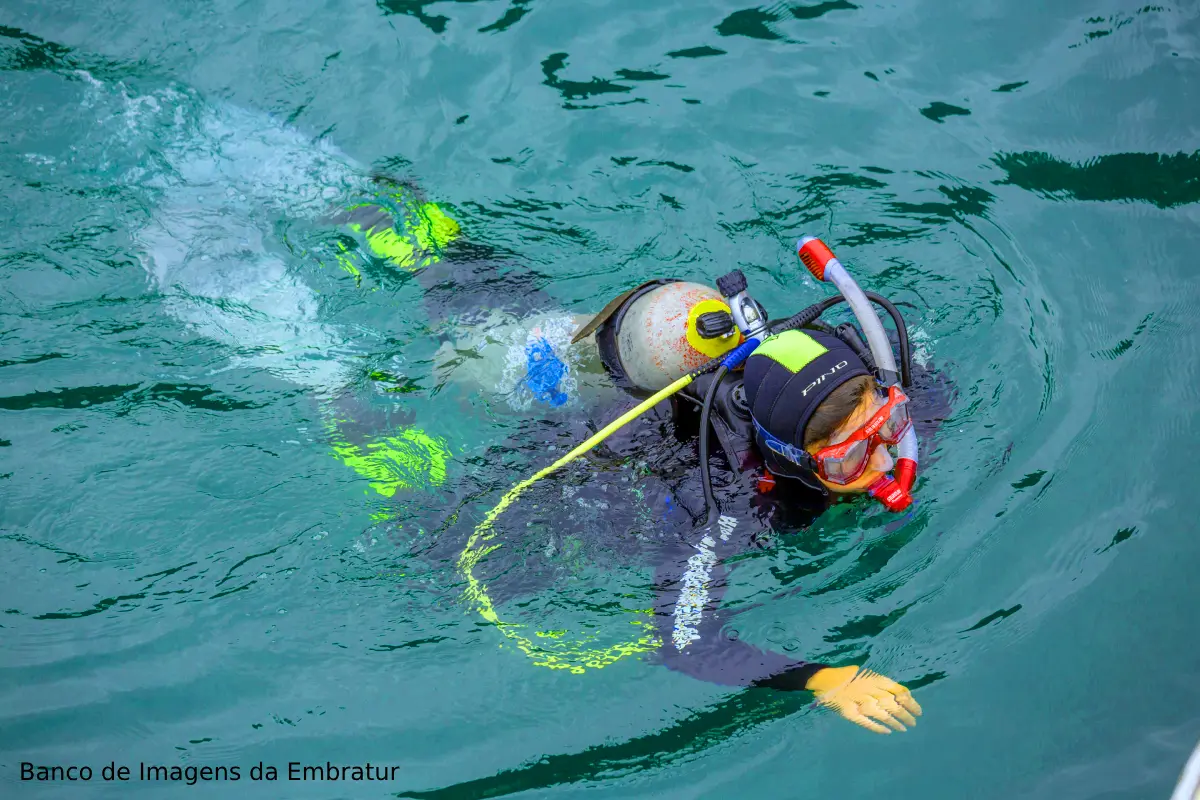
{"points": [[658, 341]]}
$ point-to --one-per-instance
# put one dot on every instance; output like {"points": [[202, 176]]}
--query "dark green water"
{"points": [[189, 577]]}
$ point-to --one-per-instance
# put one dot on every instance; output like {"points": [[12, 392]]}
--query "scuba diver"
{"points": [[803, 412]]}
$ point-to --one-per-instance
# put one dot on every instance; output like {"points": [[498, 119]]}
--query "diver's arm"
{"points": [[689, 586]]}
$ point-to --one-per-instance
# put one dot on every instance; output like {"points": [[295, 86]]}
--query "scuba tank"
{"points": [[646, 339], [660, 331]]}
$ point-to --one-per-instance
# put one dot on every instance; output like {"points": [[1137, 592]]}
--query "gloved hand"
{"points": [[863, 696]]}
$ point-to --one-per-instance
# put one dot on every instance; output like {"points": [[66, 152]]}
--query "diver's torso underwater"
{"points": [[792, 413]]}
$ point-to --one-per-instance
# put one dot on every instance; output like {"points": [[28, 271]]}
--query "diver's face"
{"points": [[881, 460]]}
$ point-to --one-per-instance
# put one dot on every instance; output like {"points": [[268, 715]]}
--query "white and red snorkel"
{"points": [[893, 492]]}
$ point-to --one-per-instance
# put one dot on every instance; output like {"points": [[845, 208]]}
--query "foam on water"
{"points": [[222, 179], [557, 331]]}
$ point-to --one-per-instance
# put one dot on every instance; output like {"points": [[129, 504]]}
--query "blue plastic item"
{"points": [[740, 353], [543, 372]]}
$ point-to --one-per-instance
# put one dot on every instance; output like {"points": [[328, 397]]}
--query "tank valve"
{"points": [[749, 316]]}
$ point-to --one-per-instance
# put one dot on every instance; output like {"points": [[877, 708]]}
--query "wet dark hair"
{"points": [[837, 408]]}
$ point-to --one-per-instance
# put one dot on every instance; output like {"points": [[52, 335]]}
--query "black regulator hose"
{"points": [[802, 318], [901, 335], [710, 501]]}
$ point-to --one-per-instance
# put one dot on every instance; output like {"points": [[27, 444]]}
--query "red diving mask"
{"points": [[846, 461]]}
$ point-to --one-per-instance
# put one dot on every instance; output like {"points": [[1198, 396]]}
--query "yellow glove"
{"points": [[862, 697]]}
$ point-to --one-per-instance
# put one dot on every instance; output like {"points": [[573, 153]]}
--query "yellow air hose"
{"points": [[565, 655]]}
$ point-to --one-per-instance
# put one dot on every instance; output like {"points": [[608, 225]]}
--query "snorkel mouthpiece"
{"points": [[906, 473], [886, 490]]}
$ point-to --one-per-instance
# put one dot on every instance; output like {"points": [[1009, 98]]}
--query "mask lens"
{"points": [[896, 424], [845, 469]]}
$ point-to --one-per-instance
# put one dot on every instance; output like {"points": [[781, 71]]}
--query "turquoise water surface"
{"points": [[192, 578]]}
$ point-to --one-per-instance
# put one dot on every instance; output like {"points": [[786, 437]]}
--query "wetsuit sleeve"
{"points": [[690, 582]]}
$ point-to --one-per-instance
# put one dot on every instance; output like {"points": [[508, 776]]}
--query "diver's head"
{"points": [[847, 409], [820, 416]]}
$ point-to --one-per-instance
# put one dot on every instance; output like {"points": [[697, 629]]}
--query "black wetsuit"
{"points": [[643, 488]]}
